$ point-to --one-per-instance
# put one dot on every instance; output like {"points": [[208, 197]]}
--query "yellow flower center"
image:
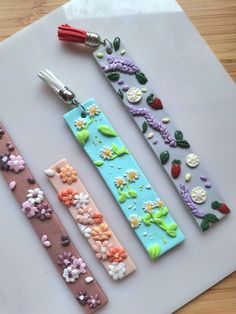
{"points": [[107, 152], [93, 110], [80, 123]]}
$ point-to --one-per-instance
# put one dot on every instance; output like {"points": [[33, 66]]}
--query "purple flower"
{"points": [[29, 209], [3, 161], [82, 297], [93, 301], [44, 212], [197, 212], [16, 163], [66, 259], [154, 124], [121, 65], [79, 264]]}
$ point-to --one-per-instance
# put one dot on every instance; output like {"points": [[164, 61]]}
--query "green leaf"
{"points": [[132, 193], [147, 219], [205, 225], [164, 157], [120, 93], [211, 218], [171, 233], [172, 227], [105, 130], [144, 127], [154, 251], [179, 135], [141, 78], [98, 162], [157, 221], [115, 148], [122, 198], [215, 205], [113, 76], [122, 151], [183, 143], [82, 136], [157, 214], [164, 210], [116, 43]]}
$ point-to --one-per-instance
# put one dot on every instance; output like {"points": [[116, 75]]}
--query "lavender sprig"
{"points": [[121, 65], [153, 123], [188, 201]]}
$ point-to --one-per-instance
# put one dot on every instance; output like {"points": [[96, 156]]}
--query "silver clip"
{"points": [[60, 88]]}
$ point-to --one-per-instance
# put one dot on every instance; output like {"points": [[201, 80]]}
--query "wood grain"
{"points": [[216, 21]]}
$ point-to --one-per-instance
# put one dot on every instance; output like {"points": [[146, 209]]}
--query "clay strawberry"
{"points": [[176, 168], [154, 102], [221, 207]]}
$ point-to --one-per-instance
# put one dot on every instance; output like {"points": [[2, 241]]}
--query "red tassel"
{"points": [[70, 34]]}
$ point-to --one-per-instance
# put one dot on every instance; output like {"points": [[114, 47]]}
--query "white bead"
{"points": [[88, 279]]}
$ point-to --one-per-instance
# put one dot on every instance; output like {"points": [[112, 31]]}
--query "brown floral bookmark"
{"points": [[90, 221], [49, 228]]}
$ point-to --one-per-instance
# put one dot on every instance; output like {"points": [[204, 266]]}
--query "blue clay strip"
{"points": [[153, 225]]}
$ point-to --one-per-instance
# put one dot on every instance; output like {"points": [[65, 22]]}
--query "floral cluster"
{"points": [[34, 206], [92, 300], [72, 267], [12, 162]]}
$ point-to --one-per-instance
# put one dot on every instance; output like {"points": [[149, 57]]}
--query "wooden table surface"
{"points": [[216, 21]]}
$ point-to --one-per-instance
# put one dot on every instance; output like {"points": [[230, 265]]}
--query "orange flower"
{"points": [[116, 254], [67, 196], [101, 233], [68, 174], [98, 219]]}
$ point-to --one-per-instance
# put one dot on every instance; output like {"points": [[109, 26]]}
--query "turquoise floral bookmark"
{"points": [[145, 212]]}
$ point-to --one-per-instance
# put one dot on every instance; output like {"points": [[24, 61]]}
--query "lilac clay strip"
{"points": [[153, 123], [188, 201], [122, 65]]}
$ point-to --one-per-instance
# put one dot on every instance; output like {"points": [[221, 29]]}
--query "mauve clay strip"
{"points": [[62, 171], [52, 227]]}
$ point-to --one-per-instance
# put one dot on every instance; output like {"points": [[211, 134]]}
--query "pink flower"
{"points": [[101, 249], [29, 209], [85, 216], [16, 163], [79, 264]]}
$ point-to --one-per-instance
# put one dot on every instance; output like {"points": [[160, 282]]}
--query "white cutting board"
{"points": [[199, 95]]}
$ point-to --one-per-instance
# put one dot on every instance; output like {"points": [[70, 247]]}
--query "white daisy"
{"points": [[119, 182], [117, 270], [70, 274], [135, 221], [106, 152], [132, 175], [80, 124], [93, 110], [35, 196], [81, 200], [148, 206]]}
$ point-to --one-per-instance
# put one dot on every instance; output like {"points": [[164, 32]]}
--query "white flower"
{"points": [[117, 270], [70, 274], [132, 175], [80, 124], [148, 206], [93, 110], [86, 231], [81, 200], [35, 196], [119, 182], [135, 221], [106, 152]]}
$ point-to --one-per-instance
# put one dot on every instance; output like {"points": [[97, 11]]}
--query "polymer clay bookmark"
{"points": [[90, 221], [146, 213], [167, 142], [49, 228]]}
